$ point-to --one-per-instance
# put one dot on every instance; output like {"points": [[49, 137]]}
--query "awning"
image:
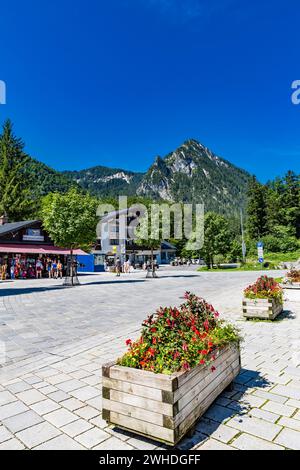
{"points": [[37, 249]]}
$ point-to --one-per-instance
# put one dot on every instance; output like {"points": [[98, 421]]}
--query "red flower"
{"points": [[128, 342], [154, 340], [153, 330], [203, 352], [186, 365], [151, 352], [202, 361], [212, 368]]}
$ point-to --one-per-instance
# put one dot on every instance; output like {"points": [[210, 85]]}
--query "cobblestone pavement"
{"points": [[53, 341]]}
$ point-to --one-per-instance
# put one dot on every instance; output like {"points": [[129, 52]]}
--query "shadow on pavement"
{"points": [[7, 292]]}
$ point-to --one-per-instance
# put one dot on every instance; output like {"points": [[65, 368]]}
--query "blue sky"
{"points": [[118, 82]]}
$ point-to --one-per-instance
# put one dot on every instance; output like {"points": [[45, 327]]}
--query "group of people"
{"points": [[126, 267], [21, 269]]}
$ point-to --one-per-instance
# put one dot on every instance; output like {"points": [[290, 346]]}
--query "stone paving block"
{"points": [[62, 442], [289, 439], [76, 427], [290, 423], [297, 415], [215, 430], [59, 396], [212, 444], [22, 421], [6, 397], [113, 443], [60, 417], [219, 413], [45, 406], [263, 414], [87, 412], [255, 426], [270, 396], [57, 379], [99, 422], [12, 444], [279, 408], [70, 385], [96, 402], [38, 434], [32, 379], [85, 393], [18, 387], [248, 442], [138, 442], [29, 397], [12, 409], [5, 434], [72, 404], [287, 391], [48, 389], [92, 437]]}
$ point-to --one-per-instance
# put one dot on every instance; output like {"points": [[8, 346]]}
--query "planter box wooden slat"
{"points": [[165, 407], [267, 309]]}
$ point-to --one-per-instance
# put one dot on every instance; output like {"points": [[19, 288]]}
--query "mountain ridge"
{"points": [[191, 173]]}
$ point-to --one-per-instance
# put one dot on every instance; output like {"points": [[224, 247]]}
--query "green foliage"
{"points": [[70, 218], [15, 197], [256, 210], [216, 237], [175, 339]]}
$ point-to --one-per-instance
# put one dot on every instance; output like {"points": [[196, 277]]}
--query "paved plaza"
{"points": [[54, 340]]}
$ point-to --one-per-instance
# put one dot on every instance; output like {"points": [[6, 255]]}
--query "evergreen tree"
{"points": [[256, 209], [15, 197]]}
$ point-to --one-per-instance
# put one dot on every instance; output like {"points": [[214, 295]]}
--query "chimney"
{"points": [[3, 219]]}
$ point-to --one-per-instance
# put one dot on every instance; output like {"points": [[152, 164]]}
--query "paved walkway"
{"points": [[53, 341]]}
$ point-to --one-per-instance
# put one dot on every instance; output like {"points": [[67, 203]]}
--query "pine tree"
{"points": [[15, 197]]}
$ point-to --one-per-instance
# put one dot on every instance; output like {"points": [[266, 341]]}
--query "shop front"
{"points": [[27, 252]]}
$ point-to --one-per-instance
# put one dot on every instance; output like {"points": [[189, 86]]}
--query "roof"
{"points": [[167, 245], [14, 226], [37, 249]]}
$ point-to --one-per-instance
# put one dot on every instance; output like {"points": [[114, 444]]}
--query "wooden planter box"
{"points": [[165, 407], [266, 309]]}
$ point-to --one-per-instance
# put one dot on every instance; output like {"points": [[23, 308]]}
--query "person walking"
{"points": [[118, 267]]}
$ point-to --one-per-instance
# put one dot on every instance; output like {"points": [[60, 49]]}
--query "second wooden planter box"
{"points": [[266, 309], [165, 407]]}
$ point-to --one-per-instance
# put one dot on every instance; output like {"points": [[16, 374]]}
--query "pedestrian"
{"points": [[3, 271], [49, 264], [12, 271], [60, 269], [54, 269], [118, 267], [39, 269]]}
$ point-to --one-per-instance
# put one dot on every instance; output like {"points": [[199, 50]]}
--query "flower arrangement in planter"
{"points": [[293, 277], [263, 299], [185, 357], [292, 284]]}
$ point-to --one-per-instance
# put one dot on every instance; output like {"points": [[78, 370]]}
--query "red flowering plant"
{"points": [[264, 288], [175, 339], [293, 275]]}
